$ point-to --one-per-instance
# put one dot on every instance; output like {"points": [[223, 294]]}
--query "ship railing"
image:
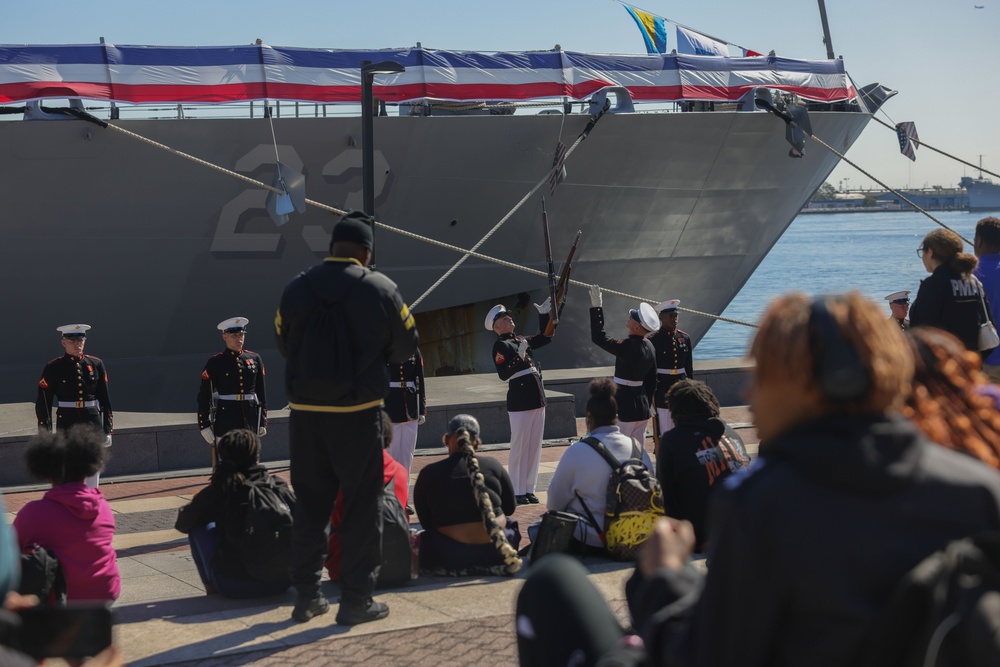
{"points": [[622, 102]]}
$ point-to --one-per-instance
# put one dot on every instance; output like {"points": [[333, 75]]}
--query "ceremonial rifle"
{"points": [[553, 311], [561, 288]]}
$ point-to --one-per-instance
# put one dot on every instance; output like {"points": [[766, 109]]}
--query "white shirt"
{"points": [[583, 470]]}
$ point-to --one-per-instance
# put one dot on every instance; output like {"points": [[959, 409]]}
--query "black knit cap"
{"points": [[355, 227]]}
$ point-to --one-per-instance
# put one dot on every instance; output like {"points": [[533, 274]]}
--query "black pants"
{"points": [[333, 452], [67, 418], [561, 618]]}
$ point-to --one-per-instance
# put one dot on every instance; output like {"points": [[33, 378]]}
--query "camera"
{"points": [[75, 631]]}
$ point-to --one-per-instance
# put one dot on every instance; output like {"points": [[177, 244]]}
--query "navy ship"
{"points": [[682, 186]]}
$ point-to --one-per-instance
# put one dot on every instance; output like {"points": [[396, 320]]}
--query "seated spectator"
{"points": [[216, 516], [72, 521], [580, 482], [947, 402], [806, 548], [392, 471], [699, 451], [466, 530]]}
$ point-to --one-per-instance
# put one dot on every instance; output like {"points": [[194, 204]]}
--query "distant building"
{"points": [[933, 199]]}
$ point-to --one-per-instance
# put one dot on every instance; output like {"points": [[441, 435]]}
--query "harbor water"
{"points": [[874, 253]]}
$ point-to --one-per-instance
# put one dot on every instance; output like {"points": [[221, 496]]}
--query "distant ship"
{"points": [[681, 201], [984, 194]]}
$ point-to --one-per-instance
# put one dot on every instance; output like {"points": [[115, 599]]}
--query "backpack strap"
{"points": [[591, 520], [603, 451]]}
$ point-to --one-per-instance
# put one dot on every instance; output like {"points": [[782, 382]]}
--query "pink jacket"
{"points": [[75, 523]]}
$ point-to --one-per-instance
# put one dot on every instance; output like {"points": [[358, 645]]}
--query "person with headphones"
{"points": [[845, 498]]}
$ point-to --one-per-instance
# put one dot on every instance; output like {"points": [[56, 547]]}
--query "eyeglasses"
{"points": [[920, 251]]}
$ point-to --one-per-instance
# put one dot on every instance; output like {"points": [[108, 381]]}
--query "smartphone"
{"points": [[76, 631]]}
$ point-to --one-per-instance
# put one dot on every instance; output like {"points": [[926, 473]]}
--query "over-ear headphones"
{"points": [[841, 375]]}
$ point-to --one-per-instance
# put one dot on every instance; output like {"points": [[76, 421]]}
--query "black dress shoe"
{"points": [[369, 610], [532, 498], [306, 608], [522, 500]]}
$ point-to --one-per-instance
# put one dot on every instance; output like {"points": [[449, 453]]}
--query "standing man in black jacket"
{"points": [[338, 325]]}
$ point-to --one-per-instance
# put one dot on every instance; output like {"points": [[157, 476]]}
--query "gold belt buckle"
{"points": [[80, 404], [239, 397]]}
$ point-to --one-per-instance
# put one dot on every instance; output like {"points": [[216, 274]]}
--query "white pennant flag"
{"points": [[697, 44]]}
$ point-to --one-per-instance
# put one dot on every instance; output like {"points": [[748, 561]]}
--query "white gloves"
{"points": [[421, 419], [522, 348], [544, 307], [107, 440], [208, 435], [596, 300], [262, 431]]}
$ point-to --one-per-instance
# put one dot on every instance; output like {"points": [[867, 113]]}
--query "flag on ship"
{"points": [[908, 140], [653, 29], [750, 53], [689, 41]]}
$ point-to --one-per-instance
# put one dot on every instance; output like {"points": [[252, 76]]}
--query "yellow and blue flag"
{"points": [[653, 28]]}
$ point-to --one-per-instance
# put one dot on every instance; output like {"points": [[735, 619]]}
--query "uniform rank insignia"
{"points": [[43, 384], [499, 359], [204, 374]]}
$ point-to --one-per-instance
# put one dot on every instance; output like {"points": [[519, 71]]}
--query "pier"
{"points": [[164, 617]]}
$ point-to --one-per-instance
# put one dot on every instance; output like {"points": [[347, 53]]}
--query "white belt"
{"points": [[628, 383], [518, 374], [400, 385], [76, 404], [671, 371], [237, 397]]}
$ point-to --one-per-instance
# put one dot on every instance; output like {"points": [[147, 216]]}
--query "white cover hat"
{"points": [[669, 304], [645, 316], [74, 330], [898, 296], [491, 317], [234, 324]]}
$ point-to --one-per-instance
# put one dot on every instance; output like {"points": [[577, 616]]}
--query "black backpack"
{"points": [[323, 366], [633, 503], [396, 551], [945, 611], [41, 575], [265, 541]]}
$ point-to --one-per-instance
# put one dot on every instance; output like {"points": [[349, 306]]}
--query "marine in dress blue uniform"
{"points": [[76, 384], [673, 359], [406, 404], [512, 356], [232, 382], [899, 305], [635, 363]]}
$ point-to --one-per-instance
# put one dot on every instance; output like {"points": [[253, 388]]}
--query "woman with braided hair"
{"points": [[467, 531], [947, 402]]}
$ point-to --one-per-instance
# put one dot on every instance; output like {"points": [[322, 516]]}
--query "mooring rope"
{"points": [[545, 179], [923, 144], [892, 190], [402, 232]]}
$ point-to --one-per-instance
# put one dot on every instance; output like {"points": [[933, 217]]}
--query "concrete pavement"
{"points": [[165, 618]]}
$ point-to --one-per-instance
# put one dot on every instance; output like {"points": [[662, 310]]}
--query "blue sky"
{"points": [[941, 55]]}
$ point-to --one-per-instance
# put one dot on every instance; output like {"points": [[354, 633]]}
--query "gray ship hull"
{"points": [[153, 250], [984, 194]]}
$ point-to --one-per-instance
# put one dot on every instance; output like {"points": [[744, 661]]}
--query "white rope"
{"points": [[403, 232], [518, 205], [895, 192]]}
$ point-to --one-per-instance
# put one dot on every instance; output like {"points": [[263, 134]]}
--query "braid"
{"points": [[512, 562], [945, 402]]}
